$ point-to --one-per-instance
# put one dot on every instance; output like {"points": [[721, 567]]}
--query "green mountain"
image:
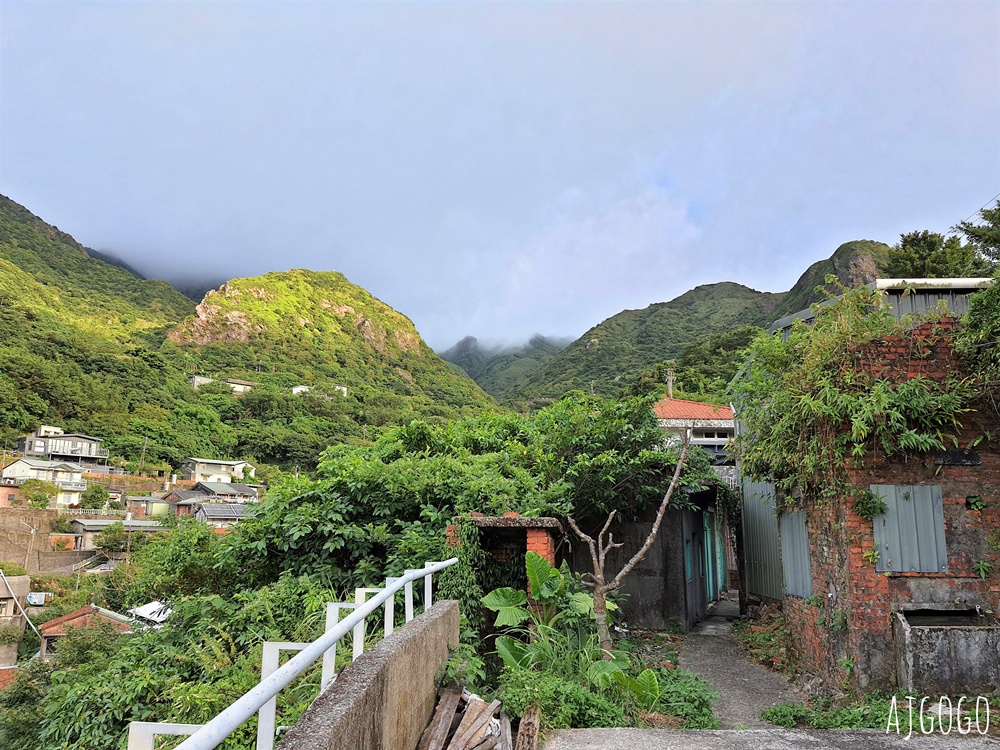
{"points": [[89, 346], [500, 369], [623, 347]]}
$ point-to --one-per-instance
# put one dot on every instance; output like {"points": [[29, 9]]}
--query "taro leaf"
{"points": [[647, 688], [515, 653], [509, 606], [602, 673], [544, 578]]}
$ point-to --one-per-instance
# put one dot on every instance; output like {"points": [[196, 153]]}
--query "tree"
{"points": [[985, 236], [95, 496], [599, 549], [38, 493], [929, 255]]}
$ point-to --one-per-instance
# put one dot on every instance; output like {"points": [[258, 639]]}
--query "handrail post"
{"points": [[408, 600], [330, 656], [428, 586], [390, 606], [267, 714], [142, 734]]}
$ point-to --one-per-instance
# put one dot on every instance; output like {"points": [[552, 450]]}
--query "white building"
{"points": [[68, 477], [212, 470]]}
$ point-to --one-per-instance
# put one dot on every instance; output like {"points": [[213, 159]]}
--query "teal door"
{"points": [[711, 574]]}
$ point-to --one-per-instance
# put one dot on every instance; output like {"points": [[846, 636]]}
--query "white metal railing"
{"points": [[263, 698]]}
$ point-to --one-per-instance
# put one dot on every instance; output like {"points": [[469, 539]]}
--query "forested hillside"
{"points": [[626, 346], [500, 370], [90, 347]]}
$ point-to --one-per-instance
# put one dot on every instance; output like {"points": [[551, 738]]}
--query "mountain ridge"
{"points": [[622, 346]]}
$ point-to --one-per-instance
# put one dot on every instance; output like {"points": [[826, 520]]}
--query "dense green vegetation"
{"points": [[552, 659], [89, 347], [371, 511], [809, 409], [703, 370], [929, 255]]}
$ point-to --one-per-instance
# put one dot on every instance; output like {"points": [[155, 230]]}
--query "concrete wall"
{"points": [[655, 590], [384, 700]]}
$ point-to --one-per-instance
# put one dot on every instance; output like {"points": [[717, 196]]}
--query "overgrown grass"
{"points": [[765, 641]]}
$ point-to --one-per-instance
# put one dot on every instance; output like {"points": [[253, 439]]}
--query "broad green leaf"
{"points": [[544, 579], [509, 604], [514, 653], [602, 673]]}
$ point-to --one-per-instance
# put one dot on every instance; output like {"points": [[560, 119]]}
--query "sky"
{"points": [[498, 169]]}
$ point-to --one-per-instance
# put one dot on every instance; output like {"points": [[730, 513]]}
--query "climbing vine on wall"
{"points": [[462, 580], [813, 406]]}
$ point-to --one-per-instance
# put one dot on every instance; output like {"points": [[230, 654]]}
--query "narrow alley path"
{"points": [[745, 688]]}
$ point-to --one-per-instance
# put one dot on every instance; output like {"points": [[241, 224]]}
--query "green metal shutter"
{"points": [[910, 534], [795, 555]]}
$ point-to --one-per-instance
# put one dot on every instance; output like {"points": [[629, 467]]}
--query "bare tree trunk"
{"points": [[601, 618], [599, 551]]}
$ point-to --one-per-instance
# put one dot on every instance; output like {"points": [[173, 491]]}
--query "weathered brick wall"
{"points": [[845, 582]]}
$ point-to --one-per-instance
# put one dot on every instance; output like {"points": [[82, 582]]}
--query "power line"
{"points": [[980, 208]]}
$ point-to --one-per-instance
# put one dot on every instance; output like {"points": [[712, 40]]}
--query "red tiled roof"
{"points": [[678, 408], [81, 618]]}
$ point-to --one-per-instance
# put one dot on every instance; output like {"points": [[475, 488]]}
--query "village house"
{"points": [[53, 630], [903, 596], [54, 444], [215, 470], [13, 598], [227, 492], [239, 387], [68, 477], [221, 515], [86, 530]]}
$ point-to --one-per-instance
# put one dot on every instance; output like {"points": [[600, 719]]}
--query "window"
{"points": [[6, 607], [910, 534], [688, 573]]}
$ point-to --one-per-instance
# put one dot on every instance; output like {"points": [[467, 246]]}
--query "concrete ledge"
{"points": [[384, 700]]}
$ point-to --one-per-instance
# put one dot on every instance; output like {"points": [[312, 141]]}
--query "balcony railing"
{"points": [[263, 698]]}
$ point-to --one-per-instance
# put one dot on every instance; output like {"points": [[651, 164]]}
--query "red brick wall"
{"points": [[862, 633]]}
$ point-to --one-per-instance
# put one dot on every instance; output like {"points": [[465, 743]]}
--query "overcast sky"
{"points": [[499, 169]]}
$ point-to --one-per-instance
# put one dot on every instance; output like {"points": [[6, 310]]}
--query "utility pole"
{"points": [[142, 461], [670, 383]]}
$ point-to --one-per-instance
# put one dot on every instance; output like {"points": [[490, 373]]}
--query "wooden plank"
{"points": [[467, 736], [473, 707], [506, 743], [488, 743], [527, 734], [436, 733]]}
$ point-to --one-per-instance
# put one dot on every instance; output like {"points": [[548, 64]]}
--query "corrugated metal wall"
{"points": [[910, 534], [762, 555], [795, 554]]}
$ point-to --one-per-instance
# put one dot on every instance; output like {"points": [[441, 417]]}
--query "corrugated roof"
{"points": [[228, 488], [678, 408], [222, 510]]}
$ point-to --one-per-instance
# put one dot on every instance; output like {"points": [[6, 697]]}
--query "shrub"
{"points": [[12, 569], [563, 704]]}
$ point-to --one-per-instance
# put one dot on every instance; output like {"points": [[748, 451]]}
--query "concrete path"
{"points": [[745, 688], [774, 738]]}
